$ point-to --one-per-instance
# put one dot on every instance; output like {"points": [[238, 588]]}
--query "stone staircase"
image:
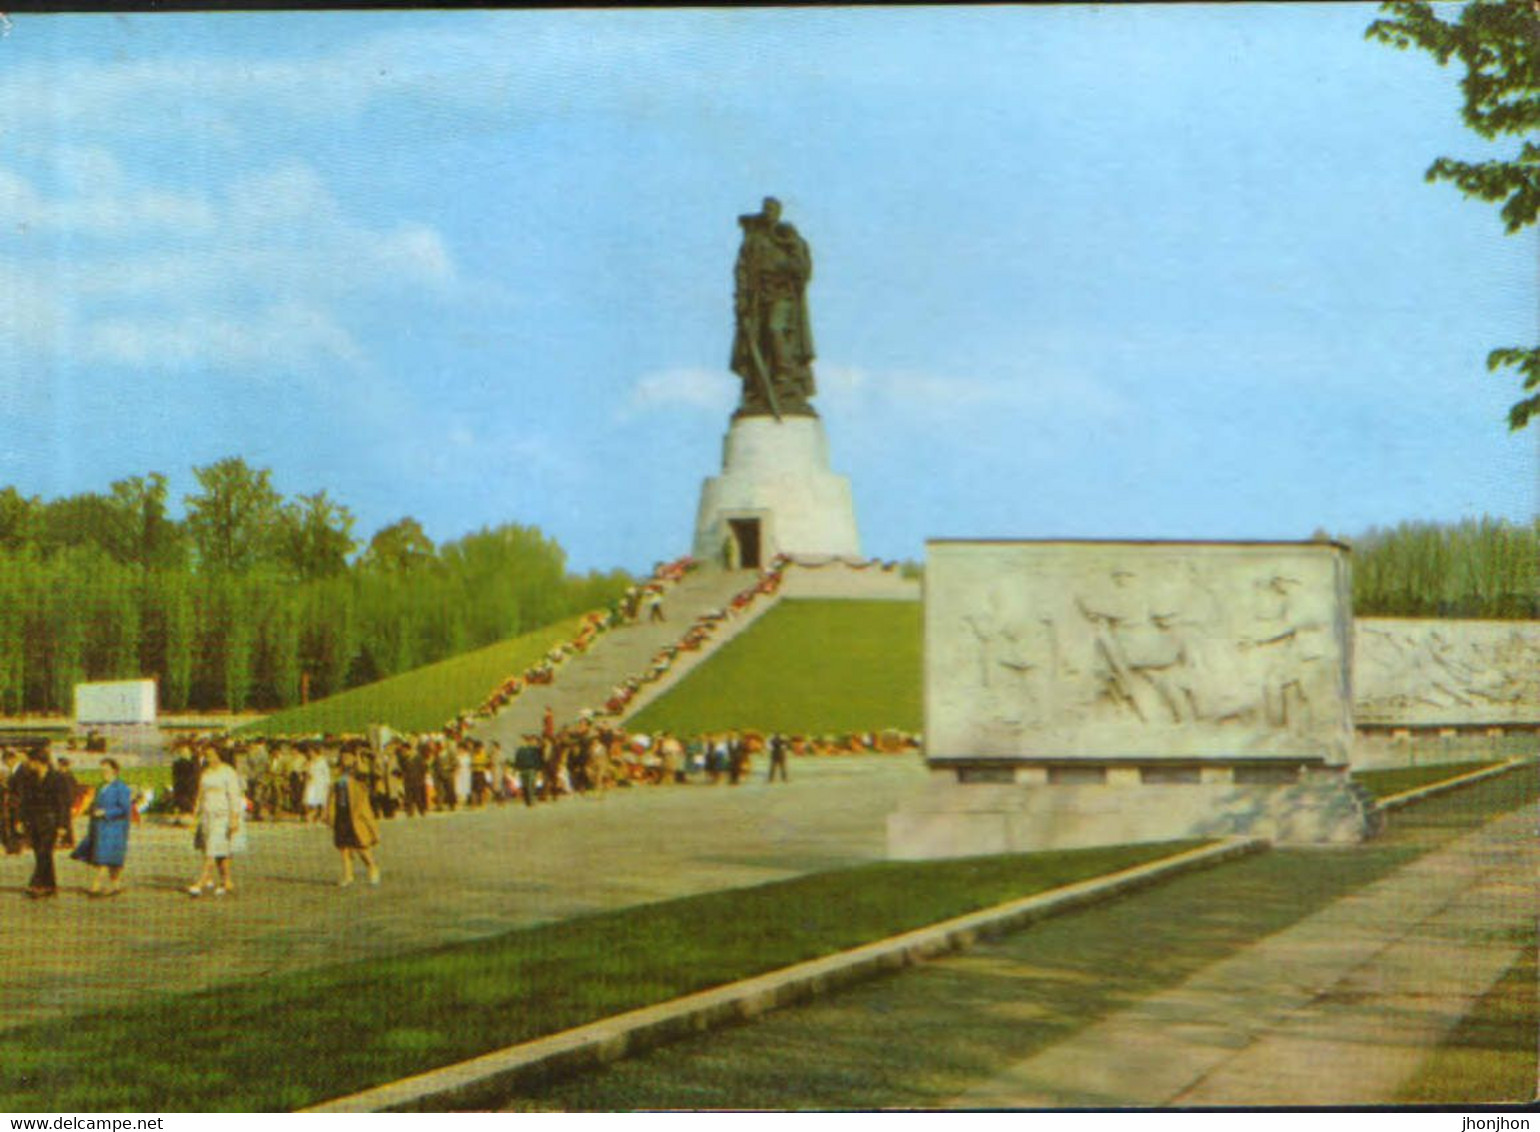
{"points": [[586, 681]]}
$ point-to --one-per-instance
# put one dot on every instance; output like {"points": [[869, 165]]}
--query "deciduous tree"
{"points": [[233, 521], [1497, 42]]}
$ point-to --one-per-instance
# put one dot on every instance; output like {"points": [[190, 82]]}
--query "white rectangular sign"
{"points": [[115, 702]]}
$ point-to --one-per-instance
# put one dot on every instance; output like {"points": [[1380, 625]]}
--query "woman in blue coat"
{"points": [[106, 843]]}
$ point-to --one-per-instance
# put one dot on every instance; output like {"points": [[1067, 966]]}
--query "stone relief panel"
{"points": [[1136, 649], [1428, 671]]}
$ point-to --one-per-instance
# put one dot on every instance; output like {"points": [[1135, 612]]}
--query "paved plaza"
{"points": [[447, 878]]}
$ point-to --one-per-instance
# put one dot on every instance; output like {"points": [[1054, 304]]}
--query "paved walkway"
{"points": [[447, 878], [1339, 1009]]}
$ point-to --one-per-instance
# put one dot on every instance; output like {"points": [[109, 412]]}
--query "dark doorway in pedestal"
{"points": [[746, 537]]}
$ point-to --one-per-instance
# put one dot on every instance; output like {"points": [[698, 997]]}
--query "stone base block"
{"points": [[776, 495], [965, 819]]}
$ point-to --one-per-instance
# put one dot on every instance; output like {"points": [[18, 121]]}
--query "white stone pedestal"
{"points": [[775, 490]]}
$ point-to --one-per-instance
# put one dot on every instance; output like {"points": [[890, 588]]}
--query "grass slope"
{"points": [[424, 698], [277, 1044], [808, 667]]}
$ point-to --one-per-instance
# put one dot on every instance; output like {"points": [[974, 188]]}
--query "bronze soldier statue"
{"points": [[773, 342]]}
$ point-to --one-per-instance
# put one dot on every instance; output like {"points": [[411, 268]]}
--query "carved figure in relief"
{"points": [[1465, 671], [1016, 656], [1145, 662], [1281, 655]]}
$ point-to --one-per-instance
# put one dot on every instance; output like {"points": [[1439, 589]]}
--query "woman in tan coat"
{"points": [[351, 817]]}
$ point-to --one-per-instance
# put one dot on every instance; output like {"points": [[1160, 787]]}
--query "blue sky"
{"points": [[1079, 271]]}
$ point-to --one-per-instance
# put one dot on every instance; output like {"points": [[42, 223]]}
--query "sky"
{"points": [[1079, 271]]}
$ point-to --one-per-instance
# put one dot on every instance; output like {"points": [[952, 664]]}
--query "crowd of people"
{"points": [[348, 784]]}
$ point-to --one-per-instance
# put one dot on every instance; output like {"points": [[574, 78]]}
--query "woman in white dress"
{"points": [[221, 808], [318, 785], [462, 776]]}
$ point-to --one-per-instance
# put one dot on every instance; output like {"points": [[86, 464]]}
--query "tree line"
{"points": [[253, 601], [1475, 568]]}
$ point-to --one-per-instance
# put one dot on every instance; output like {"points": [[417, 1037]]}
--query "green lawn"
{"points": [[423, 699], [920, 1037], [285, 1043], [807, 667], [1490, 1055], [1385, 783], [88, 772]]}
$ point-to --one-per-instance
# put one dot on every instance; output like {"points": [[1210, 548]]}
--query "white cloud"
{"points": [[285, 337], [30, 315], [916, 397], [712, 391], [504, 62], [926, 395], [252, 275], [100, 206]]}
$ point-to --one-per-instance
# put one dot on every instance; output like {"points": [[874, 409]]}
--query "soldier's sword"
{"points": [[763, 375]]}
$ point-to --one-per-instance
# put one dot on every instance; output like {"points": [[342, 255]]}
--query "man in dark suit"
{"points": [[527, 762], [43, 806], [778, 745], [70, 790], [414, 779]]}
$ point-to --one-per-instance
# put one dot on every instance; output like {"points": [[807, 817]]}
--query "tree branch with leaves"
{"points": [[1498, 44]]}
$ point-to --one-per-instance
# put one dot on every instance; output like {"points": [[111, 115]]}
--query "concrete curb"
{"points": [[1406, 797], [610, 1039]]}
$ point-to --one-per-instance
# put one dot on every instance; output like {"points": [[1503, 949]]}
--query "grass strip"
{"points": [[423, 699], [1385, 783], [810, 667], [283, 1044], [1489, 1058], [921, 1037], [88, 772]]}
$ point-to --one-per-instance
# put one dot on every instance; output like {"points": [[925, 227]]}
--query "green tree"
{"points": [[16, 597], [110, 604], [18, 519], [315, 537], [79, 521], [399, 548], [1498, 44], [328, 634], [276, 672], [180, 636], [233, 521], [168, 634], [148, 537], [510, 578], [62, 633], [1476, 568]]}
